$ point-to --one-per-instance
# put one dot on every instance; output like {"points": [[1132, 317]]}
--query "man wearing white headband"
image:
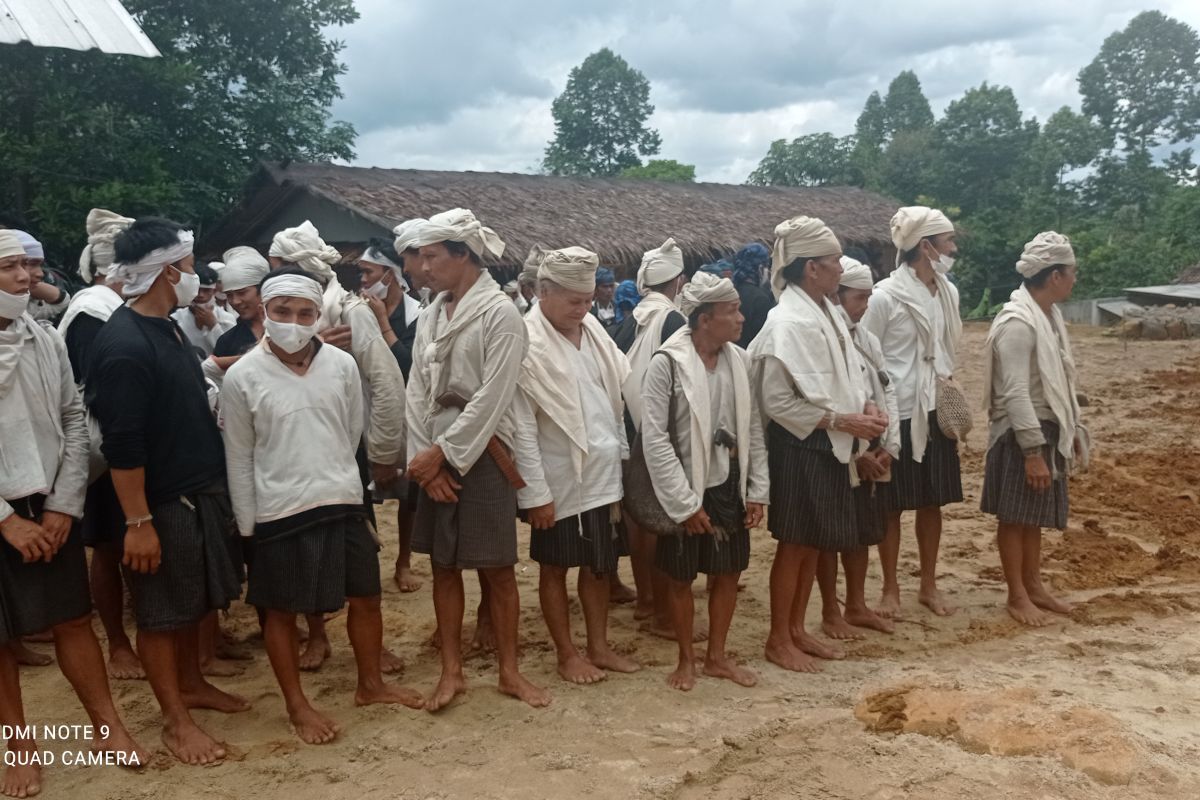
{"points": [[571, 381], [654, 321], [808, 378], [244, 270], [46, 301], [43, 568], [202, 321], [914, 314], [462, 422], [164, 451], [711, 476], [873, 466], [349, 323], [410, 255], [293, 416], [1036, 434]]}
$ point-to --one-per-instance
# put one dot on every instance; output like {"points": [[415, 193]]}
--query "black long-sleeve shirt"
{"points": [[757, 301], [146, 389], [81, 334], [406, 332]]}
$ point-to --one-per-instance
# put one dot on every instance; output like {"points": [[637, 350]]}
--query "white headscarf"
{"points": [[406, 234], [572, 268], [1045, 250], [33, 248], [102, 227], [304, 247], [911, 224], [244, 266], [293, 286], [459, 225], [10, 245], [138, 277], [799, 237], [374, 256], [659, 266], [705, 288], [855, 274]]}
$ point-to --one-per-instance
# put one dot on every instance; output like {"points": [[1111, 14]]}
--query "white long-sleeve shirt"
{"points": [[204, 339], [290, 439]]}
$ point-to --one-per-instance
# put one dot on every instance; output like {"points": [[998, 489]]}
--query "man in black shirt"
{"points": [[167, 461], [244, 269], [757, 300]]}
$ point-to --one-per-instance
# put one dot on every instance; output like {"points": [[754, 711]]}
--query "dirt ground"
{"points": [[1104, 704]]}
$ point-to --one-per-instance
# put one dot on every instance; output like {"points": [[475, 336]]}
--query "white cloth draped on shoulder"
{"points": [[649, 316], [815, 347], [95, 301]]}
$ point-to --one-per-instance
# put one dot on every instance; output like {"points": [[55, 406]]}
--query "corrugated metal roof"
{"points": [[74, 24], [1186, 292]]}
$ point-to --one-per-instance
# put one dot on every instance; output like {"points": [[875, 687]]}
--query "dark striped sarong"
{"points": [[477, 532], [1006, 493], [684, 557], [590, 539], [872, 520], [38, 596], [935, 481], [310, 562], [197, 574], [812, 503]]}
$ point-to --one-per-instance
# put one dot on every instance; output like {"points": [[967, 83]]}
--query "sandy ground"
{"points": [[1103, 704]]}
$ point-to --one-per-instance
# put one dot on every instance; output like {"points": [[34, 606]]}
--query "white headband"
{"points": [[292, 286], [139, 276], [373, 256]]}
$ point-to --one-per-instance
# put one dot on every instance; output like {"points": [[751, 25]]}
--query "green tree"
{"points": [[1144, 85], [816, 159], [662, 169], [239, 81], [905, 107], [600, 119]]}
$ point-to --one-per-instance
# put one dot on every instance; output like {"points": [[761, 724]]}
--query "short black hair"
{"points": [[693, 319], [290, 270], [206, 274], [386, 248], [145, 236], [457, 249], [658, 287], [1039, 280], [794, 272]]}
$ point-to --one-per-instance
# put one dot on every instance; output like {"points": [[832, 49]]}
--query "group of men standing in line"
{"points": [[432, 387]]}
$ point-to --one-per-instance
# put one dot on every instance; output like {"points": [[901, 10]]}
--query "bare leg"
{"points": [[26, 657], [364, 624], [317, 648], [18, 781], [506, 609], [683, 610], [594, 597], [618, 592], [785, 584], [833, 624], [1031, 574], [196, 690], [1010, 542], [929, 538], [82, 663], [282, 641], [404, 578], [889, 561], [448, 606], [722, 599], [182, 736], [858, 613], [800, 635], [484, 638], [552, 592], [210, 663], [108, 593], [641, 558]]}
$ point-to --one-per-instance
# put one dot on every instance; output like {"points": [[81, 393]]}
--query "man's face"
{"points": [[14, 275], [855, 302], [370, 274], [724, 322], [443, 269], [34, 267], [245, 302], [825, 273], [413, 269], [1063, 282], [204, 295], [293, 309], [605, 292], [565, 309], [945, 244]]}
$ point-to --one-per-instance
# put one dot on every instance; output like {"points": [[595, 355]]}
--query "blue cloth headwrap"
{"points": [[748, 263], [626, 294], [604, 276], [712, 269]]}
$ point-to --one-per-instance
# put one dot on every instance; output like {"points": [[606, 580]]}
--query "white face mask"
{"points": [[187, 288], [13, 306], [944, 264], [291, 337], [378, 290]]}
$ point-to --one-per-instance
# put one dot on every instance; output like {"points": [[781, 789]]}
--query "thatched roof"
{"points": [[617, 218]]}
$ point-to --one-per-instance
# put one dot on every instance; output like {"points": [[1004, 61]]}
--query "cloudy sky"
{"points": [[429, 87]]}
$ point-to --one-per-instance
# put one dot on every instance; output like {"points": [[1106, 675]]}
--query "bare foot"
{"points": [[405, 581], [314, 654], [619, 593], [448, 688], [577, 669], [390, 663], [889, 605], [516, 685], [728, 669], [643, 611], [612, 661], [838, 628], [312, 726], [484, 638], [665, 631], [119, 741], [1026, 613], [388, 693], [788, 656], [684, 677], [124, 665], [26, 657], [866, 618], [935, 601], [208, 696], [815, 647], [191, 745], [220, 668], [1048, 602], [22, 781]]}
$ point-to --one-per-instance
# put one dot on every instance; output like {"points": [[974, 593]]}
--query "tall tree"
{"points": [[816, 159], [1144, 85], [905, 107], [600, 119]]}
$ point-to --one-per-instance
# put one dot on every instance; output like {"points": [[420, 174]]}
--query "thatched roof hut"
{"points": [[617, 218]]}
